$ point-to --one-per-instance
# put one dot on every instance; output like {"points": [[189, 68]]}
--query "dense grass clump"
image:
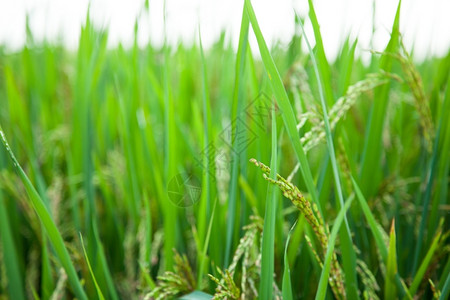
{"points": [[182, 172]]}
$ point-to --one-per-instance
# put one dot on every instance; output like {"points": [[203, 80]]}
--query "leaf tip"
{"points": [[392, 227]]}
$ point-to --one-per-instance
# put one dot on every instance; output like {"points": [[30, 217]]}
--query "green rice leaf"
{"points": [[348, 253], [446, 290], [391, 272], [324, 276], [418, 278], [378, 235], [372, 222], [287, 285], [97, 287], [268, 237], [237, 106], [10, 255], [287, 112], [50, 228], [370, 172]]}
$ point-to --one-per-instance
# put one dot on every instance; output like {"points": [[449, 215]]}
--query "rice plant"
{"points": [[220, 173]]}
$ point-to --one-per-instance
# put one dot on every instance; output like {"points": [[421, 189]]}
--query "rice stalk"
{"points": [[251, 266], [246, 242], [59, 292], [55, 196], [316, 135], [422, 103], [226, 287], [414, 81], [171, 284], [371, 287], [314, 219]]}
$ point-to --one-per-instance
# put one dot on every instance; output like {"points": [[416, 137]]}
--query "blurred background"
{"points": [[425, 24]]}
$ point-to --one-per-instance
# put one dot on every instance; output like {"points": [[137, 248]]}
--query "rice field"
{"points": [[191, 173]]}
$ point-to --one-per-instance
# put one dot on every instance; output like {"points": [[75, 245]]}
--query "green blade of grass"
{"points": [[10, 255], [97, 287], [426, 198], [391, 267], [170, 214], [101, 134], [370, 172], [205, 247], [375, 229], [324, 276], [322, 62], [283, 101], [249, 193], [90, 64], [443, 138], [348, 253], [445, 275], [268, 238], [424, 265], [286, 289], [372, 222], [446, 289], [238, 104], [131, 169], [47, 280], [439, 162], [207, 183], [346, 62], [50, 227], [103, 265]]}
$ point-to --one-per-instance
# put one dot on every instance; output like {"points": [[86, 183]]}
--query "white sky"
{"points": [[424, 23]]}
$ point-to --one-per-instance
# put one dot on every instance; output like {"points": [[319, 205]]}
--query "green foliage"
{"points": [[99, 138], [391, 268]]}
